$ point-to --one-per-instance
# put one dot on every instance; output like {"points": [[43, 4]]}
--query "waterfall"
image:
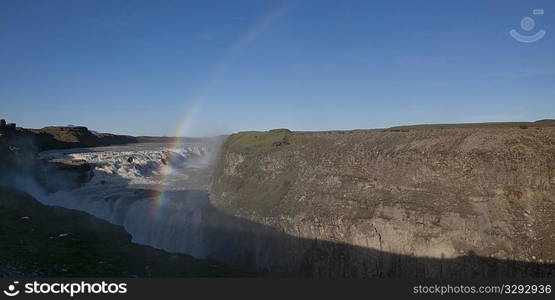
{"points": [[156, 192]]}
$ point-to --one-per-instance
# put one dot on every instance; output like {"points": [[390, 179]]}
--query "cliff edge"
{"points": [[431, 192]]}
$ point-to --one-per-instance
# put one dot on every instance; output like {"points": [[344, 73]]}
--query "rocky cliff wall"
{"points": [[429, 194]]}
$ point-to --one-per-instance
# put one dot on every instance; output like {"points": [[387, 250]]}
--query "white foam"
{"points": [[139, 167], [121, 192]]}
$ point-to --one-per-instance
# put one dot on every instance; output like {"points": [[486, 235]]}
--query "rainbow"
{"points": [[185, 126]]}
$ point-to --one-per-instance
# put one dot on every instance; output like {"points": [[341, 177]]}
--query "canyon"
{"points": [[462, 200]]}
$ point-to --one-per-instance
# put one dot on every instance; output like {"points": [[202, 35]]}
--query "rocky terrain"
{"points": [[45, 241], [470, 200], [58, 137]]}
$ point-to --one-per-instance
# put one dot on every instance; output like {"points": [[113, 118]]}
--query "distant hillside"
{"points": [[540, 123], [57, 137], [70, 137], [157, 139], [168, 139]]}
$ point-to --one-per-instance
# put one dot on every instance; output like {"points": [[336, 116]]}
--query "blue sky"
{"points": [[145, 67]]}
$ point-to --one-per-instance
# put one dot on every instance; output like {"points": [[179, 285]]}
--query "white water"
{"points": [[140, 164], [125, 190]]}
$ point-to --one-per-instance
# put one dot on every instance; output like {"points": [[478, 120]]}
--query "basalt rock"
{"points": [[425, 193], [63, 174]]}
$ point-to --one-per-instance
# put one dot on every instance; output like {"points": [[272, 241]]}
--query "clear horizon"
{"points": [[206, 68]]}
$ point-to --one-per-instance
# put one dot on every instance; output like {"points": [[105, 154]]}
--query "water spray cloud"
{"points": [[185, 126]]}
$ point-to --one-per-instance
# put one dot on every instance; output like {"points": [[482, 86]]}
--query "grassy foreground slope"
{"points": [[44, 241]]}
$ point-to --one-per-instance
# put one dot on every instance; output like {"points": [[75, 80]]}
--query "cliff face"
{"points": [[58, 137], [447, 194]]}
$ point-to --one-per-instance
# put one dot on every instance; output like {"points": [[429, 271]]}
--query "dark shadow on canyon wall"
{"points": [[187, 222], [258, 247]]}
